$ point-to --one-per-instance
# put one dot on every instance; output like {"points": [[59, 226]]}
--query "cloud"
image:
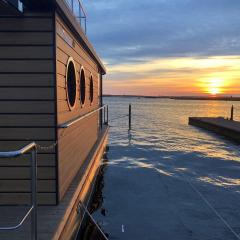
{"points": [[166, 46], [129, 31]]}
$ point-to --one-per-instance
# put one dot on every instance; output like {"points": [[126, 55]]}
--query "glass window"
{"points": [[82, 87], [71, 83]]}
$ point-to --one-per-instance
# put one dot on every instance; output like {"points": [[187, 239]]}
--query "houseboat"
{"points": [[53, 125]]}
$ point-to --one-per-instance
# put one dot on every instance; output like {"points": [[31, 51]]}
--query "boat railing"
{"points": [[103, 118], [79, 12], [32, 147]]}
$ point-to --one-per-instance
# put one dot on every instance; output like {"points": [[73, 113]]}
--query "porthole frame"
{"points": [[91, 98], [71, 60], [82, 103]]}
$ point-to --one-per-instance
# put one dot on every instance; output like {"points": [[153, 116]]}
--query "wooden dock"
{"points": [[221, 126]]}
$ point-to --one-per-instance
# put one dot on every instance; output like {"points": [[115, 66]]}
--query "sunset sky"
{"points": [[167, 47]]}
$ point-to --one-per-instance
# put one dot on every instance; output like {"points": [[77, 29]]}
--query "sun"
{"points": [[214, 91], [215, 85]]}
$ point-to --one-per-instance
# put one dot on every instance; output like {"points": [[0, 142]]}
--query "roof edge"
{"points": [[67, 15]]}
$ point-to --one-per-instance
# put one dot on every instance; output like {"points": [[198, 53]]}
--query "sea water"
{"points": [[165, 179]]}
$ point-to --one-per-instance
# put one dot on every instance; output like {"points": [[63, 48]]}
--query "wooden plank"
{"points": [[26, 38], [62, 95], [24, 173], [42, 160], [27, 93], [23, 66], [27, 133], [65, 115], [26, 52], [77, 55], [221, 126], [61, 81], [78, 47], [24, 198], [72, 158], [27, 80], [61, 68], [20, 186], [63, 57], [26, 24], [27, 107], [26, 120], [30, 13], [77, 146]]}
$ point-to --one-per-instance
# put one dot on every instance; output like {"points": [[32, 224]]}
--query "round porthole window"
{"points": [[91, 90], [82, 87], [71, 86]]}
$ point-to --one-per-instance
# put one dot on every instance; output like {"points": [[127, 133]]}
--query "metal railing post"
{"points": [[34, 194], [85, 25], [80, 14]]}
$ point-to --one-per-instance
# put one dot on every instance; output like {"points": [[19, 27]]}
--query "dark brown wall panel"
{"points": [[27, 105]]}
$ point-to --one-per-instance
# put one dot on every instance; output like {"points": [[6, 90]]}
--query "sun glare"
{"points": [[215, 86]]}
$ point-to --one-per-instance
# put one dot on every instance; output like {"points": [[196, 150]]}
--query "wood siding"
{"points": [[75, 142], [27, 105]]}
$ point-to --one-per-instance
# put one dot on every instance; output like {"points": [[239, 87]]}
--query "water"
{"points": [[168, 180]]}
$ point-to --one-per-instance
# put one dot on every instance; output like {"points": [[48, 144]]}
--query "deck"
{"points": [[53, 221], [221, 126]]}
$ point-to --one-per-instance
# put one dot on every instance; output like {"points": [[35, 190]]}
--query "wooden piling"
{"points": [[232, 113], [104, 116], [130, 117], [107, 114]]}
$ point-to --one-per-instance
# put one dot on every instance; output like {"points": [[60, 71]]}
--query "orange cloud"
{"points": [[176, 76]]}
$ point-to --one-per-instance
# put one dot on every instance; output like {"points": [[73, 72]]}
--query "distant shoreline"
{"points": [[180, 97]]}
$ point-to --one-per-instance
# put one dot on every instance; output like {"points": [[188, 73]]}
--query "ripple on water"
{"points": [[145, 189]]}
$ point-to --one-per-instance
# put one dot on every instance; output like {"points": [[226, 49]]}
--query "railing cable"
{"points": [[95, 223]]}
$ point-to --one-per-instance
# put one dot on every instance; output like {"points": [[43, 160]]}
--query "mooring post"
{"points": [[130, 118], [104, 115], [107, 114], [232, 113]]}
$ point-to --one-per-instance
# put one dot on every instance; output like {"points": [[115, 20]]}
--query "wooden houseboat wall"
{"points": [[36, 49], [75, 142]]}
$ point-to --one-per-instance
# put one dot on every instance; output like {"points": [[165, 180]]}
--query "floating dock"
{"points": [[220, 125]]}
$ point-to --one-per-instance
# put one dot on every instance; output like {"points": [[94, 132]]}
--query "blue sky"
{"points": [[129, 33]]}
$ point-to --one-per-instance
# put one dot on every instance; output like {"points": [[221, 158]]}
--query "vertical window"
{"points": [[71, 86], [91, 90], [82, 87]]}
